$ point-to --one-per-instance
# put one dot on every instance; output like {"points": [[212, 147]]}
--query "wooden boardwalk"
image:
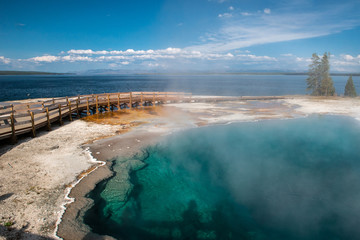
{"points": [[24, 118], [27, 117]]}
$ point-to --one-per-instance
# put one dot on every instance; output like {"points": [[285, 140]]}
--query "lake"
{"points": [[24, 87]]}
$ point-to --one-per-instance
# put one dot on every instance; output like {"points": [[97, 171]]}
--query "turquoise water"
{"points": [[281, 179]]}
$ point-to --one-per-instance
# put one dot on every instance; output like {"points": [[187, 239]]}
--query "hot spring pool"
{"points": [[274, 179]]}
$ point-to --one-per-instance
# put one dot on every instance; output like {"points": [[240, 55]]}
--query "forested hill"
{"points": [[28, 73]]}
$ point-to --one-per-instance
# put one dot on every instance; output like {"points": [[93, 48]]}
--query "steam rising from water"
{"points": [[284, 179]]}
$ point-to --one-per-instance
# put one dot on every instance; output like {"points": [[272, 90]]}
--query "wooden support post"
{"points": [[33, 130], [67, 100], [77, 108], [118, 103], [130, 100], [165, 100], [153, 99], [53, 101], [108, 98], [43, 105], [13, 135], [48, 119], [97, 104], [87, 106], [141, 99], [70, 117], [60, 116]]}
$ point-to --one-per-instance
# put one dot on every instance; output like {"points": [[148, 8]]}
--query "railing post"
{"points": [[108, 100], [77, 108], [33, 130], [97, 104], [67, 100], [130, 100], [87, 106], [141, 99], [13, 135], [48, 120], [153, 101], [53, 101], [118, 103], [70, 117], [60, 116]]}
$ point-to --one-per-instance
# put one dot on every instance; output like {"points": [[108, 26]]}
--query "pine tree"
{"points": [[326, 84], [313, 81], [319, 80], [350, 90]]}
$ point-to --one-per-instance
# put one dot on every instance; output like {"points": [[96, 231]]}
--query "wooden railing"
{"points": [[18, 119]]}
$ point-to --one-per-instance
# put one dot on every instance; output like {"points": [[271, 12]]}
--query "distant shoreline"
{"points": [[22, 73]]}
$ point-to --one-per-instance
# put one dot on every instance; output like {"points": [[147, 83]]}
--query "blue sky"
{"points": [[178, 35]]}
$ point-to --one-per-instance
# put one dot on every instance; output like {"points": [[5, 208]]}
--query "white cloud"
{"points": [[267, 10], [346, 62], [46, 58], [125, 57], [225, 15], [252, 57], [4, 60], [175, 58], [231, 8], [162, 57], [88, 51], [109, 58], [71, 58], [153, 64], [287, 55], [348, 57], [301, 59], [130, 51], [235, 33], [245, 14], [340, 63]]}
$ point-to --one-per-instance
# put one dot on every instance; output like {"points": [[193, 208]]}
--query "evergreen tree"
{"points": [[326, 84], [313, 81], [319, 80], [350, 90]]}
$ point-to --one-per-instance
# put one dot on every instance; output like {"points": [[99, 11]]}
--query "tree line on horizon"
{"points": [[319, 81]]}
